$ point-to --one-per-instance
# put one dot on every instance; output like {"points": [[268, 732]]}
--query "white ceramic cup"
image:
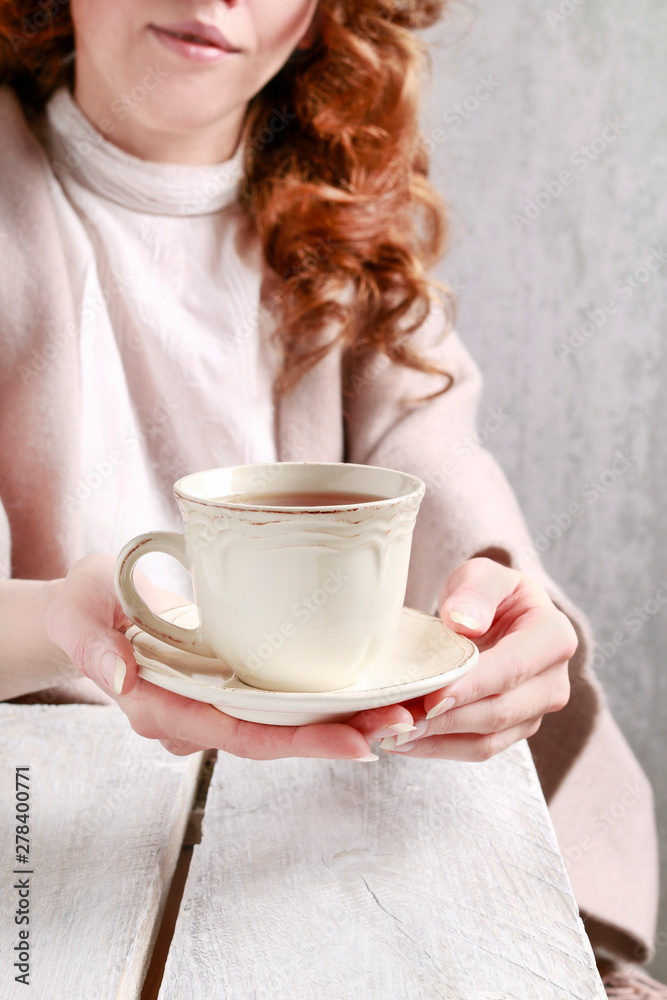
{"points": [[291, 598]]}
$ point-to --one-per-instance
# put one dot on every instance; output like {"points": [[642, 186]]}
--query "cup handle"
{"points": [[173, 544]]}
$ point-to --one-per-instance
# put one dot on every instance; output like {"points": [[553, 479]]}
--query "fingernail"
{"points": [[420, 730], [399, 727], [113, 671], [416, 731], [369, 757], [405, 748], [440, 707], [465, 615]]}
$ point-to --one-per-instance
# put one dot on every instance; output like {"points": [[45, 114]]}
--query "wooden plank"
{"points": [[403, 878], [107, 814]]}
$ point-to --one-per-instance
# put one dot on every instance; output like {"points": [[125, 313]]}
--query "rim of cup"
{"points": [[412, 487]]}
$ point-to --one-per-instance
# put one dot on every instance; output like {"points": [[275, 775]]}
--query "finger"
{"points": [[469, 747], [548, 692], [158, 714], [542, 640], [181, 748], [472, 593], [156, 598], [377, 723], [84, 620]]}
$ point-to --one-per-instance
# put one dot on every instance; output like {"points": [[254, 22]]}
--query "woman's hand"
{"points": [[85, 619], [525, 644]]}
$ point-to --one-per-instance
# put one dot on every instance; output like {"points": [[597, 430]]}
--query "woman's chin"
{"points": [[191, 133]]}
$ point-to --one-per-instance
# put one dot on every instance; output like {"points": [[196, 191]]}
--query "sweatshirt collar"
{"points": [[81, 152]]}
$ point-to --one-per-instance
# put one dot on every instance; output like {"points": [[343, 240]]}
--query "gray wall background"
{"points": [[554, 72]]}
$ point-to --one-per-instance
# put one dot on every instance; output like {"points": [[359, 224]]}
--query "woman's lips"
{"points": [[194, 40]]}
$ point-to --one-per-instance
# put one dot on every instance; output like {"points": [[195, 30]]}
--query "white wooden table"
{"points": [[313, 880]]}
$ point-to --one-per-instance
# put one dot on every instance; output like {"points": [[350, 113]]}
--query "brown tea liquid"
{"points": [[303, 498]]}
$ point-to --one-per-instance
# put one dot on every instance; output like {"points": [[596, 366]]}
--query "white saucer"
{"points": [[424, 656]]}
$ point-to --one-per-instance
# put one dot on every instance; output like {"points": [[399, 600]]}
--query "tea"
{"points": [[303, 498]]}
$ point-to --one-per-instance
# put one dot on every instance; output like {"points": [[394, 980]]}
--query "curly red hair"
{"points": [[340, 197]]}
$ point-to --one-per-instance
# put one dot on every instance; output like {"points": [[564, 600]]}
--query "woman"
{"points": [[221, 226]]}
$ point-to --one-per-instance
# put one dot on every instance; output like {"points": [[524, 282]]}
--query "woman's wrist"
{"points": [[29, 660], [53, 654]]}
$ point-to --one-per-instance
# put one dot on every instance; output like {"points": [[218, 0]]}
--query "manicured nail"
{"points": [[440, 707], [369, 757], [465, 615], [400, 727], [415, 732], [419, 730], [405, 748], [113, 671]]}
